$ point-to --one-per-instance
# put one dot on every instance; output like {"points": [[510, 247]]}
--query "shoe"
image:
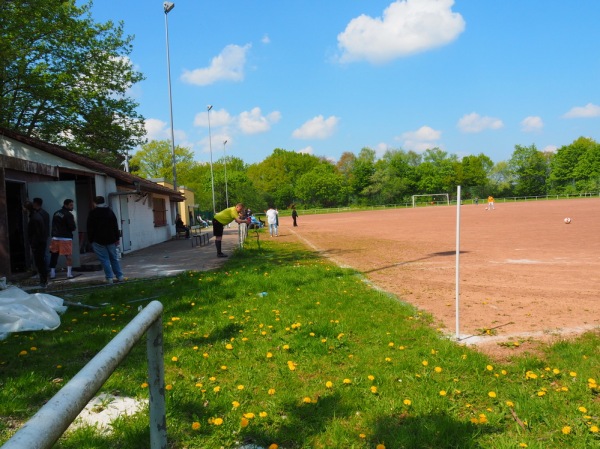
{"points": [[109, 281], [221, 255], [43, 286], [52, 277], [121, 279], [70, 276]]}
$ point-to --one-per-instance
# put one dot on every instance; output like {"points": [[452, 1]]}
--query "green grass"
{"points": [[324, 360]]}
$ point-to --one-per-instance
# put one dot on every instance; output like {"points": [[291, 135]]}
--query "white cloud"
{"points": [[306, 150], [158, 130], [229, 65], [532, 123], [587, 111], [420, 140], [217, 118], [254, 122], [475, 123], [550, 149], [317, 128], [266, 39], [407, 27]]}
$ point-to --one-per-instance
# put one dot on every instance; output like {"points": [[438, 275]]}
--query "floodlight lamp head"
{"points": [[209, 107], [168, 6], [224, 142]]}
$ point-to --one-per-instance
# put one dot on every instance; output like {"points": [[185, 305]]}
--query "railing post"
{"points": [[156, 381]]}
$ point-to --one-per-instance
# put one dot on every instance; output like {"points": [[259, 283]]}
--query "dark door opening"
{"points": [[17, 232]]}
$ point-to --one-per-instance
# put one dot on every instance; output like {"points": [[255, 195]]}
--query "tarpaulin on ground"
{"points": [[21, 311]]}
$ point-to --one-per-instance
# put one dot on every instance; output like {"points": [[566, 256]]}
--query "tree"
{"points": [[155, 160], [64, 79], [530, 168], [473, 174], [362, 171], [276, 176], [571, 165], [322, 187], [437, 173]]}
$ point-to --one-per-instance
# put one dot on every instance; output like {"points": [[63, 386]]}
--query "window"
{"points": [[160, 212]]}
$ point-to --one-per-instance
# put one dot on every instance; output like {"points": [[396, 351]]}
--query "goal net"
{"points": [[430, 199]]}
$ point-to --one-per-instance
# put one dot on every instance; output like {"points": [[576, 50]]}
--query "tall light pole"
{"points": [[168, 6], [225, 158], [212, 177]]}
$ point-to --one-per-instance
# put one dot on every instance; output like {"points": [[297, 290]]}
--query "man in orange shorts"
{"points": [[63, 225]]}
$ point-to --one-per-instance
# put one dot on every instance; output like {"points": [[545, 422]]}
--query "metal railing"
{"points": [[242, 234], [53, 419]]}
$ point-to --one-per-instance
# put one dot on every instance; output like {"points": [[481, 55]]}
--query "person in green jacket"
{"points": [[222, 219]]}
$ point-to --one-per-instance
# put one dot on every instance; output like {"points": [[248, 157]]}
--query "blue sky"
{"points": [[325, 77]]}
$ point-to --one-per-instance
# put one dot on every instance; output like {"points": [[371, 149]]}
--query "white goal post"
{"points": [[431, 198]]}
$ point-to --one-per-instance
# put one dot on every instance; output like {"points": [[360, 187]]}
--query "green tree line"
{"points": [[286, 177]]}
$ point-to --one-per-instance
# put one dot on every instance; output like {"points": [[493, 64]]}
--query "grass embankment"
{"points": [[322, 360]]}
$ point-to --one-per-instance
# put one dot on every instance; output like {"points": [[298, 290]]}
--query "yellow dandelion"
{"points": [[492, 394], [223, 367], [271, 391], [249, 415], [374, 389], [443, 393], [205, 355], [217, 389], [482, 419], [291, 365], [144, 385], [263, 414], [244, 422], [541, 393], [169, 387], [425, 363], [566, 430], [195, 348], [329, 384], [573, 374], [391, 344], [199, 385], [438, 369], [582, 409], [594, 429], [306, 400], [523, 445], [380, 446], [269, 355], [212, 378], [195, 425], [407, 402], [362, 435], [556, 371], [229, 346], [347, 381], [273, 446], [371, 377], [489, 368], [23, 352], [240, 387], [235, 404], [218, 421], [510, 403], [286, 347]]}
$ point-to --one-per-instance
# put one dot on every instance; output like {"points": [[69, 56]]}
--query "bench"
{"points": [[199, 238]]}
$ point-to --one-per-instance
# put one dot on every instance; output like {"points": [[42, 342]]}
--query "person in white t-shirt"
{"points": [[272, 220]]}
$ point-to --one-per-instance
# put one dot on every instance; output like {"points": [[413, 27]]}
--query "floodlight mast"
{"points": [[212, 177], [225, 159], [168, 6]]}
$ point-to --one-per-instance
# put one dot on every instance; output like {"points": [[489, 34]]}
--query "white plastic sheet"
{"points": [[21, 311]]}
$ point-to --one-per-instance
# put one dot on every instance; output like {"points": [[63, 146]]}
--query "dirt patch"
{"points": [[525, 275]]}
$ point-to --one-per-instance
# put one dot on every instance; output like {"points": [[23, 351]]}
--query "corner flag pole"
{"points": [[458, 201]]}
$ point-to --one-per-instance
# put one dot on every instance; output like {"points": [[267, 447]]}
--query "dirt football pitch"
{"points": [[525, 275]]}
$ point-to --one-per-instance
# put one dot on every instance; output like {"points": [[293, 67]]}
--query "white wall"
{"points": [[143, 232]]}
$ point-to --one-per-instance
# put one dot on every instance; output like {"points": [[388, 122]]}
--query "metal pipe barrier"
{"points": [[53, 419], [242, 234]]}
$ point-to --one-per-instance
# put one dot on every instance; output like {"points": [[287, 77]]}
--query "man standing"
{"points": [[294, 215], [104, 235], [273, 220], [222, 219], [37, 232], [63, 226]]}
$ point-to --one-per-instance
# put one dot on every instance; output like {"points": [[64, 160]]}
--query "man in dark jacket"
{"points": [[37, 206], [103, 234], [63, 226], [37, 233]]}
